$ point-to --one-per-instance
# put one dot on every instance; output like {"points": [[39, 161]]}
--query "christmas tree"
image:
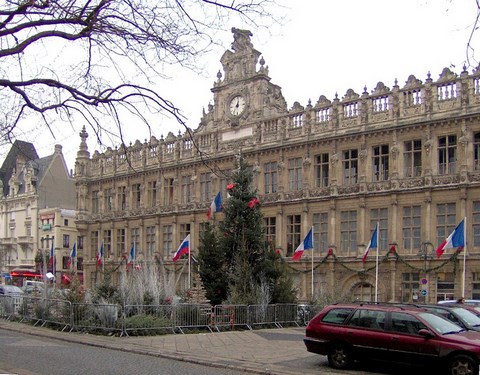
{"points": [[251, 271]]}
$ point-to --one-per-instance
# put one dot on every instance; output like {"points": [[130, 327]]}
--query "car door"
{"points": [[406, 345], [366, 334]]}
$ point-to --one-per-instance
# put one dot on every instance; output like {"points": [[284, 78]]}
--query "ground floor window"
{"points": [[364, 292], [410, 287]]}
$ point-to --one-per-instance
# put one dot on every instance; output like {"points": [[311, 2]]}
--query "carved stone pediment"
{"points": [[350, 95], [381, 89], [446, 76], [412, 82], [323, 102]]}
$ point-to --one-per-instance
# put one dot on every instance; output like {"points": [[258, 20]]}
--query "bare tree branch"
{"points": [[89, 62]]}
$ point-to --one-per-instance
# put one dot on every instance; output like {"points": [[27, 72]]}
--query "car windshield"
{"points": [[468, 317], [440, 324]]}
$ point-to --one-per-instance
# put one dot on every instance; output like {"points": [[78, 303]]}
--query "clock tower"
{"points": [[243, 95]]}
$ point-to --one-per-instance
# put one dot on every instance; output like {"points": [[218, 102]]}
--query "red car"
{"points": [[392, 333]]}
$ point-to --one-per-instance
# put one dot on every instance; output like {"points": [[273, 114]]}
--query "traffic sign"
{"points": [[424, 281], [424, 292]]}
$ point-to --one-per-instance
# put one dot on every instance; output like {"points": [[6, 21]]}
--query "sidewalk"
{"points": [[268, 351]]}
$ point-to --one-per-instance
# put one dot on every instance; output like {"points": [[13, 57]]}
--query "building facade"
{"points": [[30, 223], [405, 157]]}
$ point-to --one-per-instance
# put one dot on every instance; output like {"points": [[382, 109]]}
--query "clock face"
{"points": [[237, 105]]}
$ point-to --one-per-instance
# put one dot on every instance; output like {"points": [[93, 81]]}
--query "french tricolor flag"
{"points": [[307, 244], [184, 248], [131, 256], [456, 239], [216, 206], [373, 244]]}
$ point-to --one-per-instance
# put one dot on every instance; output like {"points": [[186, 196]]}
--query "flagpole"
{"points": [[464, 256], [376, 261], [313, 248], [189, 263]]}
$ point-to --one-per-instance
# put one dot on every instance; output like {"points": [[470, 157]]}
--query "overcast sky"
{"points": [[323, 48]]}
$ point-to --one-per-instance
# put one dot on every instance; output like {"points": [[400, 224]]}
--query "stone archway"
{"points": [[362, 288]]}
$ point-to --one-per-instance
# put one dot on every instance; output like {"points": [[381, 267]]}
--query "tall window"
{"points": [[122, 198], [380, 216], [66, 241], [350, 167], [294, 228], [136, 195], [270, 177], [184, 230], [348, 232], [476, 223], [380, 163], [205, 187], [411, 227], [168, 191], [152, 193], [295, 174], [120, 242], [135, 239], [320, 232], [270, 229], [167, 241], [410, 287], [94, 245], [95, 201], [225, 179], [321, 170], [108, 200], [446, 220], [187, 189], [447, 154], [476, 151], [107, 242], [412, 158], [445, 286], [475, 285], [80, 240], [151, 244]]}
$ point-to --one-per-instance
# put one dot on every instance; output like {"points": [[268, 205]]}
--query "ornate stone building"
{"points": [[36, 211], [405, 157]]}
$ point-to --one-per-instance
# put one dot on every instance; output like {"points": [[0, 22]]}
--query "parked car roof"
{"points": [[10, 289], [394, 333]]}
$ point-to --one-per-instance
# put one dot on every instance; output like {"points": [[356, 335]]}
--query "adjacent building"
{"points": [[36, 212], [405, 158]]}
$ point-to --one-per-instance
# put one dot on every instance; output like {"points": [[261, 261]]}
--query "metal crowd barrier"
{"points": [[93, 317], [150, 319], [138, 319], [42, 311]]}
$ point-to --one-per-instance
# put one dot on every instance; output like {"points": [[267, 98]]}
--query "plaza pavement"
{"points": [[263, 351]]}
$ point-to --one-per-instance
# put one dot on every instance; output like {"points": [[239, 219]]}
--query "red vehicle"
{"points": [[392, 333]]}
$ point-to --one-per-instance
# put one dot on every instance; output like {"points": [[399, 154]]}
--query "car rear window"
{"points": [[337, 316]]}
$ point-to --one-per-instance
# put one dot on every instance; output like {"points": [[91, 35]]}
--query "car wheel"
{"points": [[339, 357], [462, 365]]}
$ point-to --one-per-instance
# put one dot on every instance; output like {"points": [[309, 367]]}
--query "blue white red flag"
{"points": [[372, 244], [215, 206], [131, 256], [184, 248], [100, 256], [52, 255], [456, 239], [73, 255], [307, 244]]}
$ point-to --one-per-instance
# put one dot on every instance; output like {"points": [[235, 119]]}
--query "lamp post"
{"points": [[425, 255]]}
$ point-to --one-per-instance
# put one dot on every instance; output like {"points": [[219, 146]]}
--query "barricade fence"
{"points": [[150, 319]]}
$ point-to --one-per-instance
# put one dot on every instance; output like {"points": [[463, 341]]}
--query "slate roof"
{"points": [[26, 149]]}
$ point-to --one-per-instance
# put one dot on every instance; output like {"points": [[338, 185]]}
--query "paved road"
{"points": [[269, 351], [33, 355]]}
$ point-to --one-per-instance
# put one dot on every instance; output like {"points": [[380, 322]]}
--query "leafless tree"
{"points": [[96, 60]]}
